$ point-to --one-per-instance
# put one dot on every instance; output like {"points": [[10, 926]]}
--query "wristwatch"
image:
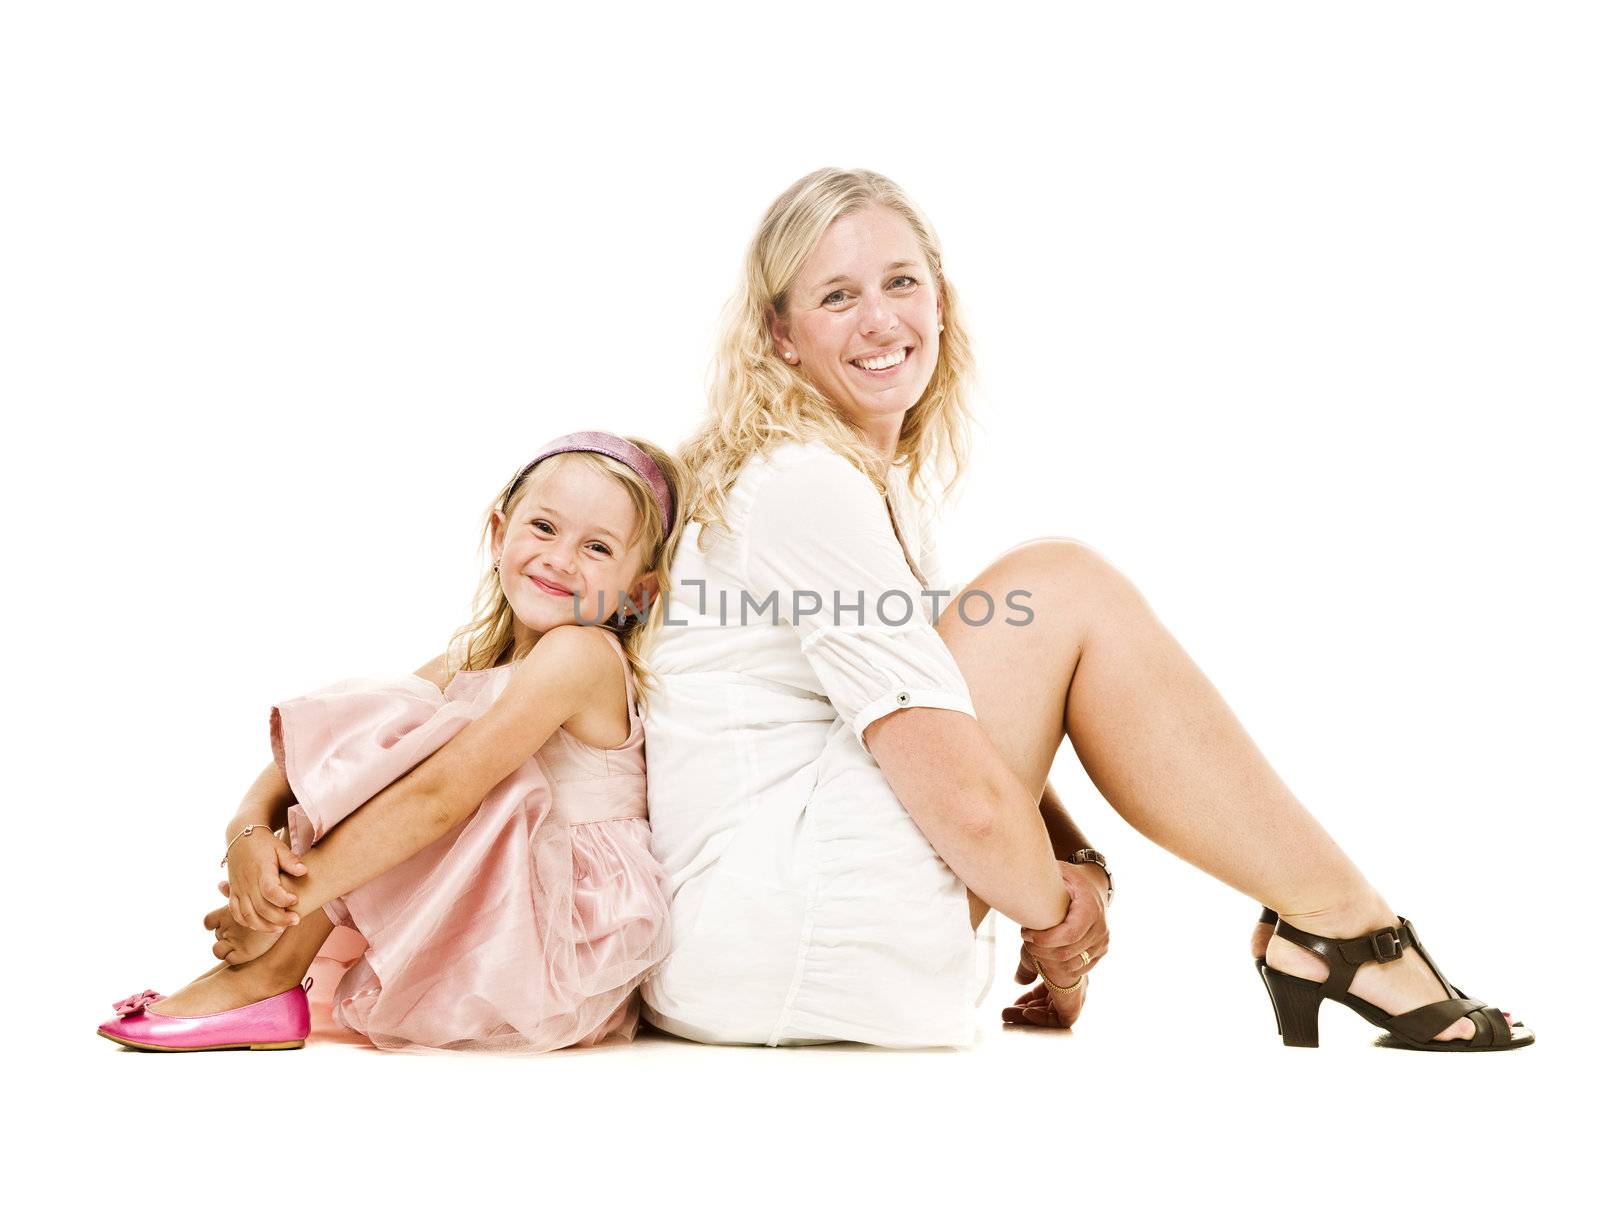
{"points": [[1090, 855]]}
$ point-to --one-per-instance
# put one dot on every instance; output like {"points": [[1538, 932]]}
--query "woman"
{"points": [[842, 784]]}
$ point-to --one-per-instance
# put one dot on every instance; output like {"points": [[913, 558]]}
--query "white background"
{"points": [[1289, 310]]}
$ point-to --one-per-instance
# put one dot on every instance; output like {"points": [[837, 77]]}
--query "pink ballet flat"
{"points": [[282, 1021]]}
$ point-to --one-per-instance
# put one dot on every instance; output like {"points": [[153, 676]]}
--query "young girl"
{"points": [[484, 831]]}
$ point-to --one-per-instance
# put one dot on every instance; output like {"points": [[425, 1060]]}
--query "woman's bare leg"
{"points": [[1095, 665]]}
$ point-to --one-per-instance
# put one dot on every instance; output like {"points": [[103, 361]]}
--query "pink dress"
{"points": [[529, 925]]}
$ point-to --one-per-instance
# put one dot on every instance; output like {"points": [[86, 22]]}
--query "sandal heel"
{"points": [[1270, 918], [1296, 1003]]}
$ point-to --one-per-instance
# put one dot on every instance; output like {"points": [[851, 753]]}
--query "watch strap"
{"points": [[1090, 855]]}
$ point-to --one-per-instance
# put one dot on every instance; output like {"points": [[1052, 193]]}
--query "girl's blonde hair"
{"points": [[757, 400], [489, 638]]}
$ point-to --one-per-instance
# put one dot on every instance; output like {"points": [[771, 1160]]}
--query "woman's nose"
{"points": [[877, 315]]}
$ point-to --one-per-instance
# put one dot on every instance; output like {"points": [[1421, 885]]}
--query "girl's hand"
{"points": [[234, 943], [257, 897]]}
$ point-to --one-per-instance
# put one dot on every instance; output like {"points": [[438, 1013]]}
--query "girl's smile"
{"points": [[550, 587]]}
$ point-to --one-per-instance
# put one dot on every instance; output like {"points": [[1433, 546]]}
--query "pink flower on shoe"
{"points": [[131, 1005]]}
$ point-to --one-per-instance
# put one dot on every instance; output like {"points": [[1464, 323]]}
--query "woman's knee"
{"points": [[1053, 566]]}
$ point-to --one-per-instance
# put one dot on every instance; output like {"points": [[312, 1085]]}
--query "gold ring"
{"points": [[1085, 956]]}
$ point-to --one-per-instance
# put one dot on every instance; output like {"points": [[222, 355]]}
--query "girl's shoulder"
{"points": [[587, 651], [587, 660], [571, 654], [605, 668]]}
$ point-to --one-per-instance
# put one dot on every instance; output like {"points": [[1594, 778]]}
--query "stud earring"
{"points": [[497, 566]]}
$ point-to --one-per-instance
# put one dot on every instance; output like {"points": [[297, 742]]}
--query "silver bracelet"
{"points": [[236, 838]]}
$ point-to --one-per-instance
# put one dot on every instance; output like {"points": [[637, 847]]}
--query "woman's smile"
{"points": [[881, 365]]}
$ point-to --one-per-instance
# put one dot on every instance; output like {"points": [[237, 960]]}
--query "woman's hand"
{"points": [[1065, 952], [1043, 1007], [235, 944], [257, 897], [1083, 930]]}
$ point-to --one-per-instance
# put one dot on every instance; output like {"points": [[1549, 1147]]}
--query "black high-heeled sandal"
{"points": [[1296, 1001]]}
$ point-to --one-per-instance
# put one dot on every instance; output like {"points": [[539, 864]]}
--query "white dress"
{"points": [[807, 907]]}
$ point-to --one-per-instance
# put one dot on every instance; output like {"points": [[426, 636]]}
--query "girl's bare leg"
{"points": [[228, 986], [1162, 746]]}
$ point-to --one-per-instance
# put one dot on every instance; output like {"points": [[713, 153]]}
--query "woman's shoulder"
{"points": [[792, 486], [796, 450], [802, 471]]}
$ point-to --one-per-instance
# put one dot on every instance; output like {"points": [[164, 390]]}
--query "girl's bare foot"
{"points": [[228, 987]]}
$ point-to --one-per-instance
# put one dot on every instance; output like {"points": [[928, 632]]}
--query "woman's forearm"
{"points": [[1065, 837], [1010, 863], [973, 811]]}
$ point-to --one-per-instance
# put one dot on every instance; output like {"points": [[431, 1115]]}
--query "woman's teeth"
{"points": [[887, 361]]}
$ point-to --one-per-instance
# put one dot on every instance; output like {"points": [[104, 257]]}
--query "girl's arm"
{"points": [[565, 673], [259, 862], [267, 801]]}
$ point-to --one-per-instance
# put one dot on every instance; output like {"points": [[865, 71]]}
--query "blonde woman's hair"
{"points": [[757, 400], [489, 638]]}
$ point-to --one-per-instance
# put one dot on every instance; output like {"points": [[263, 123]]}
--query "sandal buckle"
{"points": [[1387, 945]]}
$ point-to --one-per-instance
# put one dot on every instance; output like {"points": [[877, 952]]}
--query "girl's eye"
{"points": [[596, 545], [541, 525]]}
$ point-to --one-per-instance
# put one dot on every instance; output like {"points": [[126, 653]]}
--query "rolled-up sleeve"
{"points": [[819, 538]]}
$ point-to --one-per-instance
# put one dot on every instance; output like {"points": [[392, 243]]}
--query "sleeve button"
{"points": [[904, 698]]}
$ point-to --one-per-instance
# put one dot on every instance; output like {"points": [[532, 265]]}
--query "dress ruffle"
{"points": [[529, 925]]}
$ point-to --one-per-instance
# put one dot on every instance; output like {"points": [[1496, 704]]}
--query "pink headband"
{"points": [[618, 449]]}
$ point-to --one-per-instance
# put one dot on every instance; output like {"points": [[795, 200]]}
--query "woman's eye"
{"points": [[908, 280], [834, 298]]}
